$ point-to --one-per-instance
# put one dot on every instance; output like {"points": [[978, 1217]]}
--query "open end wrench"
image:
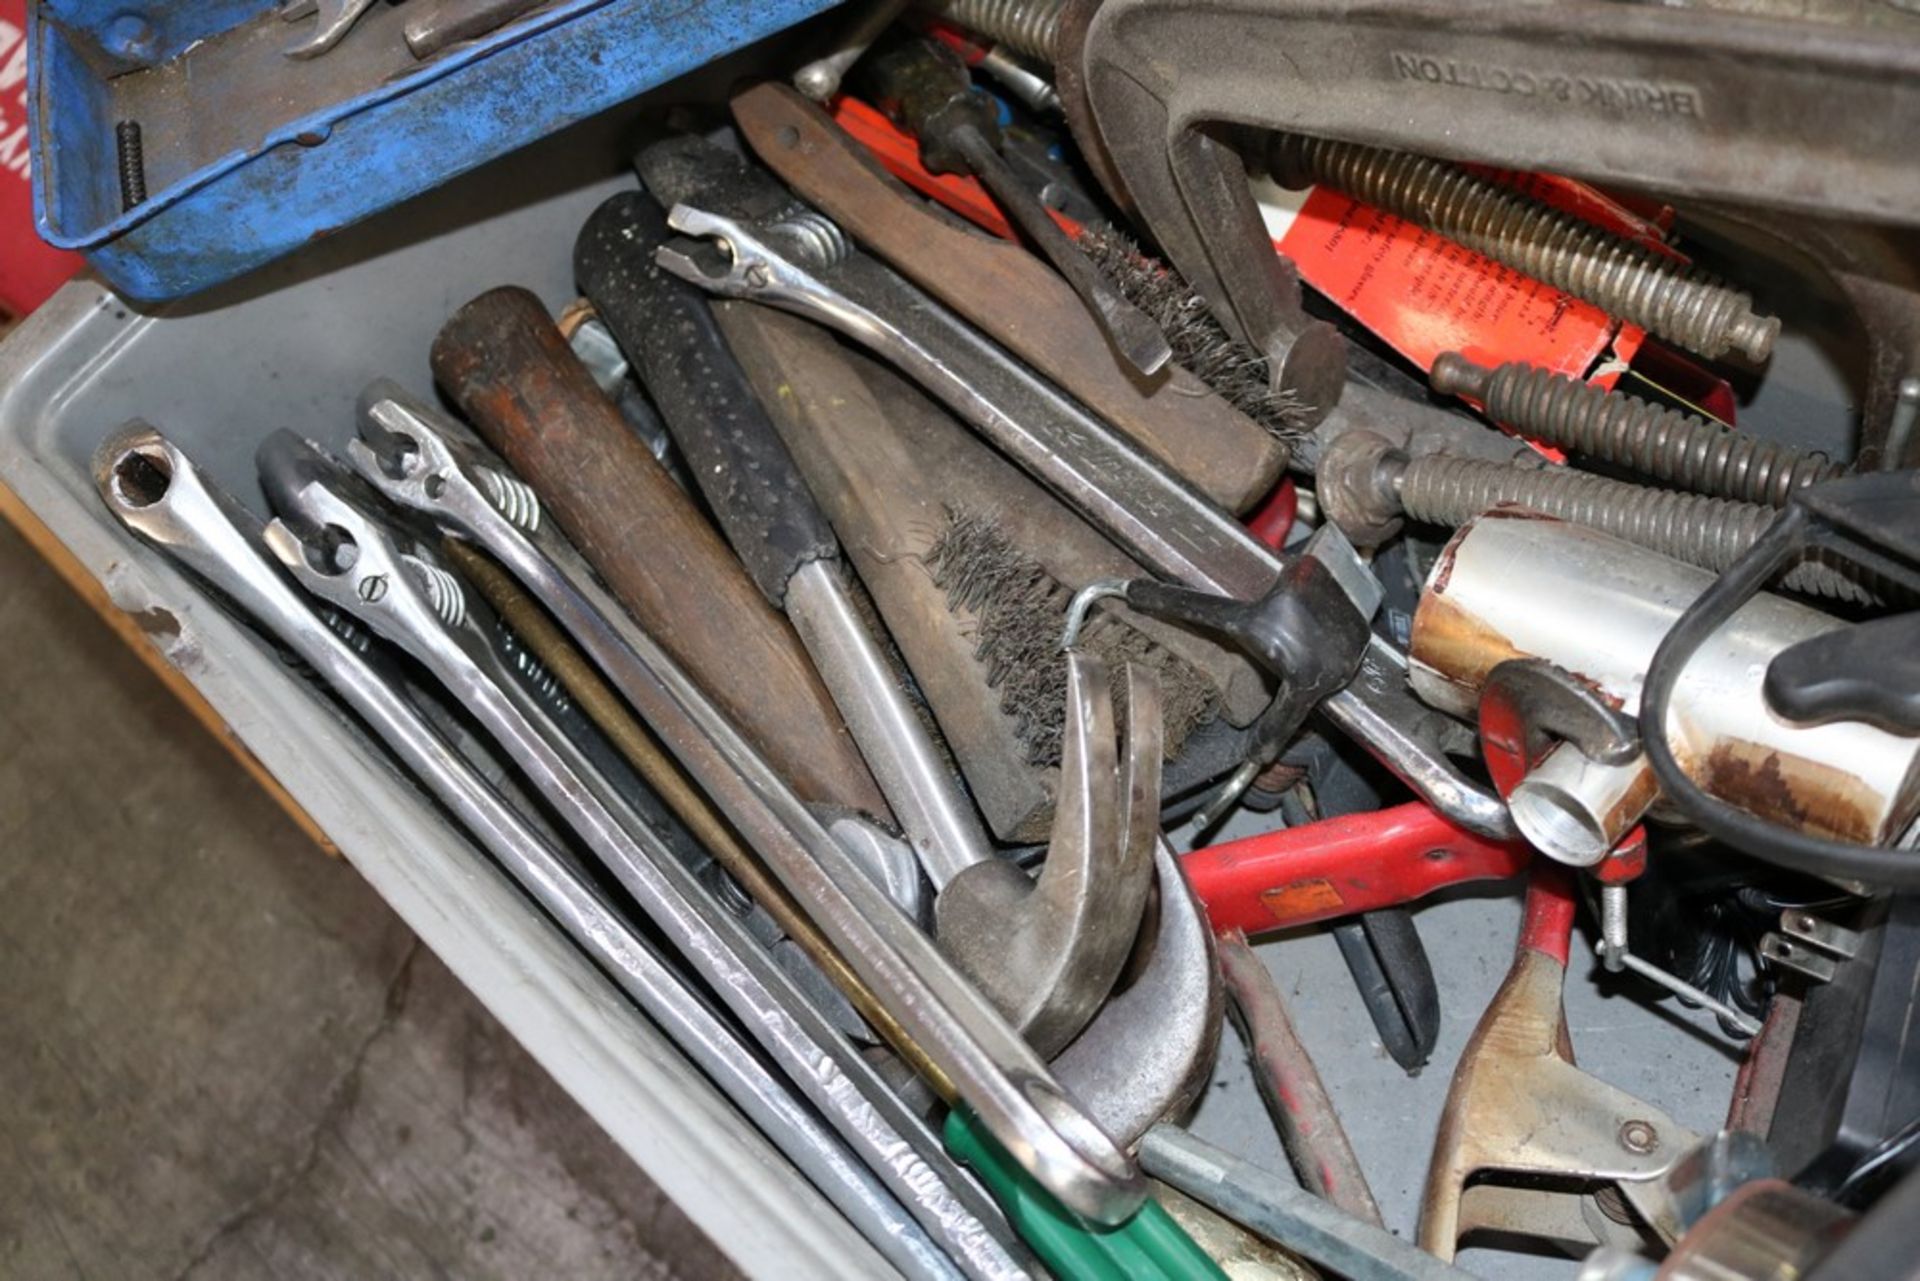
{"points": [[956, 1037], [805, 265], [1046, 951], [155, 489], [344, 553]]}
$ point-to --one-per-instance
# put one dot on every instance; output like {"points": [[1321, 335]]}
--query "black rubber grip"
{"points": [[667, 330], [1868, 672]]}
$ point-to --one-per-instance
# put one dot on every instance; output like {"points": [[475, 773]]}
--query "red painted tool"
{"points": [[1341, 867]]}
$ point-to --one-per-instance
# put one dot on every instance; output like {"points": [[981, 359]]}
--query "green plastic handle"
{"points": [[1148, 1245]]}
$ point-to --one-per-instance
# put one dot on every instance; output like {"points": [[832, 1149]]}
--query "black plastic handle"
{"points": [[732, 448]]}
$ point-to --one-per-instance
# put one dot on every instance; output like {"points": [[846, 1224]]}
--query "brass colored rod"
{"points": [[607, 710]]}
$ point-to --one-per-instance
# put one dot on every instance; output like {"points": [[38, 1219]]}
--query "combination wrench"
{"points": [[340, 550], [155, 489], [802, 262], [966, 1048]]}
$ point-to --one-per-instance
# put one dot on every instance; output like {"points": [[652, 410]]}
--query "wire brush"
{"points": [[1201, 344], [1019, 609]]}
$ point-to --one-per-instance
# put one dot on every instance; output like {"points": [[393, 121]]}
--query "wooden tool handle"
{"points": [[1013, 297], [505, 364]]}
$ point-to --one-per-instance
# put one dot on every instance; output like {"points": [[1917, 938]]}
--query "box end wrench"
{"points": [[334, 545], [967, 1050], [155, 489]]}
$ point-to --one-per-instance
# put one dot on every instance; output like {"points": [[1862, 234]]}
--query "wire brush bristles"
{"points": [[1200, 343], [1019, 610]]}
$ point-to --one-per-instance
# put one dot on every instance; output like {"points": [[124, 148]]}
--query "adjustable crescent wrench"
{"points": [[155, 489], [334, 545], [803, 263], [964, 1045]]}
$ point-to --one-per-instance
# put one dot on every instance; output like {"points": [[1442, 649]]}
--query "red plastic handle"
{"points": [[1547, 926], [1341, 866]]}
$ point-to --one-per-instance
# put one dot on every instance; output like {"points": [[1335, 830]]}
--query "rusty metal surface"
{"points": [[1815, 117], [1514, 585], [1302, 1111], [1520, 1112], [504, 363], [1014, 298]]}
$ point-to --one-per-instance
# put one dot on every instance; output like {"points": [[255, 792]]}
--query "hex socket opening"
{"points": [[142, 476]]}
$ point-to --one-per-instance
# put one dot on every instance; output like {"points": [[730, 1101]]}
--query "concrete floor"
{"points": [[221, 1056]]}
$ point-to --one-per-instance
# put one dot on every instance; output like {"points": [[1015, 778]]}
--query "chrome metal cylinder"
{"points": [[1518, 585], [1574, 809]]}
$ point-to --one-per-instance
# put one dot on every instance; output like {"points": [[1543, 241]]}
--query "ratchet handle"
{"points": [[667, 329]]}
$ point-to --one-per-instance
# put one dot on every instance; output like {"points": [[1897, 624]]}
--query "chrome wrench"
{"points": [[155, 490], [335, 19], [1147, 1050], [982, 1060], [804, 264], [338, 548]]}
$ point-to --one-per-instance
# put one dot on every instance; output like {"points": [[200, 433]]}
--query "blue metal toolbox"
{"points": [[243, 153]]}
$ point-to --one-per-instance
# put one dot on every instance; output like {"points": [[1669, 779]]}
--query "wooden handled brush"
{"points": [[970, 564]]}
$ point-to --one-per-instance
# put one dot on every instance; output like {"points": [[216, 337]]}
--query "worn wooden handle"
{"points": [[1012, 296], [507, 366]]}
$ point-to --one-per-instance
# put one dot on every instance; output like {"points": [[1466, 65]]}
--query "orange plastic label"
{"points": [[1420, 292], [1424, 294], [1312, 898]]}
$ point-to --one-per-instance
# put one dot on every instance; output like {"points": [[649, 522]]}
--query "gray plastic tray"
{"points": [[291, 347]]}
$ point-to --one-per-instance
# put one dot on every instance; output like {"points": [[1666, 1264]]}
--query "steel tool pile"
{"points": [[962, 569]]}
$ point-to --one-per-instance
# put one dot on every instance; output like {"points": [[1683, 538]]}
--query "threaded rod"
{"points": [[1438, 489], [1624, 279], [1031, 27], [1665, 444]]}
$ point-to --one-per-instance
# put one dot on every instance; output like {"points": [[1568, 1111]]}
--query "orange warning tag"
{"points": [[1420, 292], [1302, 900], [1424, 294]]}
